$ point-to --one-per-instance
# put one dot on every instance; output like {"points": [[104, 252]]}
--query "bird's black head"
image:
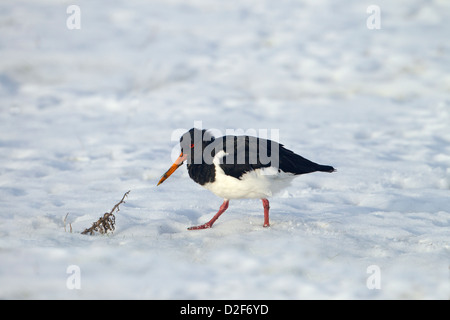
{"points": [[193, 143]]}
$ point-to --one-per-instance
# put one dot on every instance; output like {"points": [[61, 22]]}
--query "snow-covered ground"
{"points": [[88, 114]]}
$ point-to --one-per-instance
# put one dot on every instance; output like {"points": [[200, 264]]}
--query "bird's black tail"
{"points": [[323, 168], [296, 164]]}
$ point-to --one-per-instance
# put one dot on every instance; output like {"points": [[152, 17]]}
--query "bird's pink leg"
{"points": [[209, 224], [266, 212]]}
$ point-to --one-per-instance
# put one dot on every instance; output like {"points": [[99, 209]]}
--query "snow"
{"points": [[88, 114]]}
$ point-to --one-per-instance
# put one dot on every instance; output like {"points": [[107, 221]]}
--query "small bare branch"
{"points": [[108, 221], [65, 223]]}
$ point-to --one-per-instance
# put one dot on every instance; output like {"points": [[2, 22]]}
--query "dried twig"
{"points": [[107, 222], [70, 225]]}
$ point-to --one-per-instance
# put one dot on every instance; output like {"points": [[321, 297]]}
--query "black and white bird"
{"points": [[239, 167]]}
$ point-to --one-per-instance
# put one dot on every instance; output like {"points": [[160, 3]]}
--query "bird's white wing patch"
{"points": [[218, 157]]}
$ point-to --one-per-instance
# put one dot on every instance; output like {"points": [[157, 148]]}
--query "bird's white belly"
{"points": [[259, 183]]}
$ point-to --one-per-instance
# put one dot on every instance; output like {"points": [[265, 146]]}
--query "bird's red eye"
{"points": [[192, 145]]}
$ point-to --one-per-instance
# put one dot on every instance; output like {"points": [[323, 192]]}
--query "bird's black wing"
{"points": [[245, 153]]}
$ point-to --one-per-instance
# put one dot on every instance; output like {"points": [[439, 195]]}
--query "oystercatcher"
{"points": [[238, 167]]}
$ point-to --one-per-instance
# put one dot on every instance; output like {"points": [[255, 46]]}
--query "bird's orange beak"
{"points": [[172, 169]]}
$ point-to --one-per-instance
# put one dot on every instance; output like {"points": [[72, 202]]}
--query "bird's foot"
{"points": [[201, 227], [266, 225]]}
